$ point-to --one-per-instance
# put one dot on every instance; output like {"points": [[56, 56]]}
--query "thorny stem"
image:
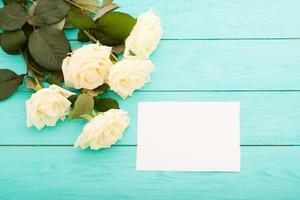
{"points": [[93, 39]]}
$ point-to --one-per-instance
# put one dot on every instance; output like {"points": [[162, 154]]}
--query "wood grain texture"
{"points": [[209, 19], [211, 50], [267, 118], [67, 173], [215, 65]]}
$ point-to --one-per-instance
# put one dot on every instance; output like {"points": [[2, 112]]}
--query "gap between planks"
{"points": [[134, 145], [29, 91], [191, 39]]}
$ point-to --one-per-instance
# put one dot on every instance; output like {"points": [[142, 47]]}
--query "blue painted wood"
{"points": [[66, 173], [215, 65], [211, 19], [220, 19], [222, 52], [267, 118]]}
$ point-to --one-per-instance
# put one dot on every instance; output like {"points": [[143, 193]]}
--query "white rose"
{"points": [[64, 92], [104, 130], [145, 36], [87, 67], [47, 106], [128, 75]]}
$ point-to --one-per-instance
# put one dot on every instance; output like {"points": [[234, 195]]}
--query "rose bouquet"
{"points": [[33, 29]]}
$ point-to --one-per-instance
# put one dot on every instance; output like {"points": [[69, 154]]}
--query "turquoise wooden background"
{"points": [[212, 50]]}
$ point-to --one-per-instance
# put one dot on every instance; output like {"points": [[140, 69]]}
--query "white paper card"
{"points": [[188, 136]]}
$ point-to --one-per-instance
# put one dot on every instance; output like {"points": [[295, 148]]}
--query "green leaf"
{"points": [[9, 82], [48, 47], [114, 27], [49, 12], [55, 78], [72, 99], [12, 17], [83, 105], [105, 9], [34, 66], [82, 37], [59, 25], [105, 104], [118, 49], [30, 83], [95, 92], [89, 5], [105, 39], [27, 29], [78, 20], [68, 25], [12, 41]]}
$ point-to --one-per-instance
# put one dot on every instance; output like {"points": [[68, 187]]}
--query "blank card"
{"points": [[188, 136]]}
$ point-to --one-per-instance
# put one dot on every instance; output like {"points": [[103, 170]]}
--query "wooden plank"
{"points": [[66, 173], [266, 117], [220, 19], [215, 65]]}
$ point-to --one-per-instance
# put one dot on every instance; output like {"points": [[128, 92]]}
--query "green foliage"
{"points": [[113, 28], [82, 37], [44, 47], [12, 41], [105, 9], [105, 39], [9, 82], [48, 47], [27, 29], [36, 68], [105, 104], [118, 49], [84, 104], [59, 25], [72, 99], [12, 16], [78, 20], [49, 12], [97, 91], [55, 78], [89, 5], [30, 83]]}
